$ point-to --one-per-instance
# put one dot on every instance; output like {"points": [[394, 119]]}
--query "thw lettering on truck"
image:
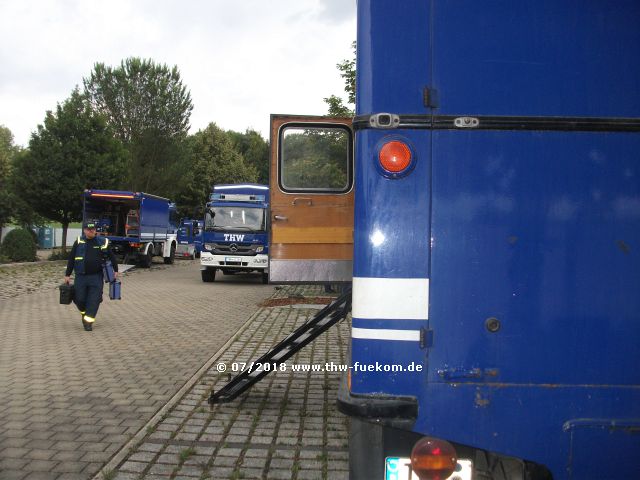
{"points": [[235, 235], [229, 237]]}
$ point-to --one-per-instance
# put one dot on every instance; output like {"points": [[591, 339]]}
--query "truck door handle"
{"points": [[308, 201], [280, 217]]}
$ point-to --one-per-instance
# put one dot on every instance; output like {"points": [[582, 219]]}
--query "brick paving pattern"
{"points": [[70, 399], [77, 405], [284, 427]]}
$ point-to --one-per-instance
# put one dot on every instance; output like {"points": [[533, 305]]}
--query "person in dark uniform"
{"points": [[87, 256]]}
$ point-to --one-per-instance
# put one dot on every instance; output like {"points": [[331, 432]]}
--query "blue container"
{"points": [[45, 237], [114, 290]]}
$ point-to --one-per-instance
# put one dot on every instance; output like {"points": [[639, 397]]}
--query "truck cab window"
{"points": [[315, 159], [232, 218]]}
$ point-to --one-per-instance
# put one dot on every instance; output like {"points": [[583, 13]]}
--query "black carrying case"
{"points": [[66, 293]]}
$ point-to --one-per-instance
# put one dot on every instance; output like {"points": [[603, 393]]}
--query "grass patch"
{"points": [[186, 453], [108, 475]]}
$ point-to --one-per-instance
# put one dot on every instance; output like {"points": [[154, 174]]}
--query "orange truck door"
{"points": [[311, 189]]}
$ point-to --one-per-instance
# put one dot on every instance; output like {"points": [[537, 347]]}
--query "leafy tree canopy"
{"points": [[7, 153], [213, 159], [315, 158], [72, 151], [347, 68], [255, 151], [148, 108], [140, 96]]}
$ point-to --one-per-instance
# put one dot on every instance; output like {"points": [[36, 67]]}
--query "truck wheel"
{"points": [[208, 275], [172, 255], [146, 260], [265, 277]]}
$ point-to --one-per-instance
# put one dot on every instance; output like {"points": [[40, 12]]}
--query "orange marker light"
{"points": [[433, 459], [395, 156], [110, 195]]}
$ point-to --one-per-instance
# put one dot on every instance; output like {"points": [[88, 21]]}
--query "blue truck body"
{"points": [[189, 238], [506, 260], [235, 235], [138, 225]]}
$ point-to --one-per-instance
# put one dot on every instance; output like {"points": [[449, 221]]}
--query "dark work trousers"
{"points": [[88, 294]]}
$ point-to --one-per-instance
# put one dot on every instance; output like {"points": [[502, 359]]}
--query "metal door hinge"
{"points": [[466, 122], [384, 120], [430, 97], [426, 338]]}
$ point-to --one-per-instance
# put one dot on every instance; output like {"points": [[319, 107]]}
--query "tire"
{"points": [[265, 278], [172, 255], [147, 260], [208, 275]]}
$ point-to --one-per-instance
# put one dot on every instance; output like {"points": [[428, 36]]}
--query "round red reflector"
{"points": [[395, 156], [433, 459]]}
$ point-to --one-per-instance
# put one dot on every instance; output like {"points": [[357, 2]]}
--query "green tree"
{"points": [[19, 246], [148, 108], [212, 159], [255, 151], [74, 150], [8, 152], [313, 158], [336, 105]]}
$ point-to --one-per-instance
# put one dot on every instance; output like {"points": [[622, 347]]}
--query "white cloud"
{"points": [[240, 60]]}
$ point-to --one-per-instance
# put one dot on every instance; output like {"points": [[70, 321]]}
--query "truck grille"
{"points": [[232, 249]]}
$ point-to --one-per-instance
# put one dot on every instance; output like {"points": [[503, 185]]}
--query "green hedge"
{"points": [[19, 246]]}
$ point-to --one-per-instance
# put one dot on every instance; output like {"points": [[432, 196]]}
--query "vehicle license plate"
{"points": [[232, 259], [399, 468]]}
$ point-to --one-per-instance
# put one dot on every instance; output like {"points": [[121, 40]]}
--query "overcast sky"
{"points": [[241, 60]]}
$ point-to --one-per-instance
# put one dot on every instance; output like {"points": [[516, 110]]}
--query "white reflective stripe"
{"points": [[256, 187], [89, 319], [391, 298], [379, 334]]}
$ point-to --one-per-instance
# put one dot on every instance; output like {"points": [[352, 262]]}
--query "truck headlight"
{"points": [[259, 249]]}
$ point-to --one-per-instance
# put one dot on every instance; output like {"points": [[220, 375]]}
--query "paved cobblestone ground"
{"points": [[70, 399], [16, 280], [285, 427]]}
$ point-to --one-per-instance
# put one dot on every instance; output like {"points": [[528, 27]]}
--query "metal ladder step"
{"points": [[294, 342]]}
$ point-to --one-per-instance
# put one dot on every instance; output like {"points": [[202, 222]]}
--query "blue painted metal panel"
{"points": [[154, 210], [392, 216], [154, 215], [392, 238], [538, 230], [243, 189], [383, 366], [529, 422], [392, 62], [569, 58], [248, 238]]}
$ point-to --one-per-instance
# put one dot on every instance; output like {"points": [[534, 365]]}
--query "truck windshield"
{"points": [[235, 218]]}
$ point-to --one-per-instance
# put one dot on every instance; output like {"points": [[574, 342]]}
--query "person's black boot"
{"points": [[87, 326]]}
